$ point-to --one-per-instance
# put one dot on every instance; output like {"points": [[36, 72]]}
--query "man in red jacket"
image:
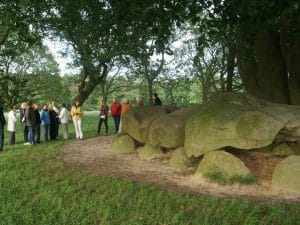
{"points": [[115, 110]]}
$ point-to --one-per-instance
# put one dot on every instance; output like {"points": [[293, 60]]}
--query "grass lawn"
{"points": [[36, 187]]}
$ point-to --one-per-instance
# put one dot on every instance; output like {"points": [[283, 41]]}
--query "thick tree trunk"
{"points": [[263, 71], [290, 49], [272, 71], [294, 73], [246, 59], [89, 82]]}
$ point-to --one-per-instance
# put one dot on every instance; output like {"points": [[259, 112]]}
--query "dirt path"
{"points": [[95, 156]]}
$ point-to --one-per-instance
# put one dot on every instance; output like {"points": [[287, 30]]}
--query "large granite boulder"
{"points": [[241, 121], [136, 121], [168, 131], [149, 152], [123, 144], [286, 149], [223, 164], [179, 160], [286, 174]]}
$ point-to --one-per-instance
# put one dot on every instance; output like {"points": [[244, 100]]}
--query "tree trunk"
{"points": [[246, 60], [89, 82], [263, 71], [291, 52], [230, 68], [150, 89], [272, 71]]}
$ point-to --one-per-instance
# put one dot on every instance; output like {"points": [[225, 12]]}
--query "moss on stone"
{"points": [[223, 166], [179, 160], [240, 121], [123, 144], [149, 152], [286, 174]]}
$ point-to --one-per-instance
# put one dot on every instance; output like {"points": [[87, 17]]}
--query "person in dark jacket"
{"points": [[156, 100], [38, 123], [23, 121], [52, 116], [103, 116], [2, 124], [30, 122]]}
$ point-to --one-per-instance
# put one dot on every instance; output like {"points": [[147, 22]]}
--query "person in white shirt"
{"points": [[64, 120], [11, 125]]}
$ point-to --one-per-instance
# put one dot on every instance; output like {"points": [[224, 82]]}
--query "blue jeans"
{"points": [[30, 135], [46, 131]]}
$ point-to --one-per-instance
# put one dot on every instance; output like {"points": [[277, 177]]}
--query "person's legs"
{"points": [[116, 123], [100, 125], [76, 128], [65, 130], [79, 129], [120, 127], [1, 139], [37, 133], [46, 132], [30, 135], [106, 125], [52, 131], [25, 132], [11, 138], [57, 127]]}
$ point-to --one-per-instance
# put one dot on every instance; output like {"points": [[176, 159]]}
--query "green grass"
{"points": [[218, 177], [36, 187]]}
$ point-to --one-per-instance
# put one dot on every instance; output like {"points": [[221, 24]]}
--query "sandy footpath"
{"points": [[95, 156]]}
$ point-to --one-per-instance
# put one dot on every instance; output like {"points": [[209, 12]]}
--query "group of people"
{"points": [[117, 111], [49, 118]]}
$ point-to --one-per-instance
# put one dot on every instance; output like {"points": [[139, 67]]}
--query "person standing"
{"points": [[156, 99], [52, 116], [2, 123], [38, 123], [125, 107], [11, 125], [56, 110], [115, 111], [64, 120], [77, 114], [139, 102], [44, 115], [23, 121], [30, 122], [103, 116]]}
